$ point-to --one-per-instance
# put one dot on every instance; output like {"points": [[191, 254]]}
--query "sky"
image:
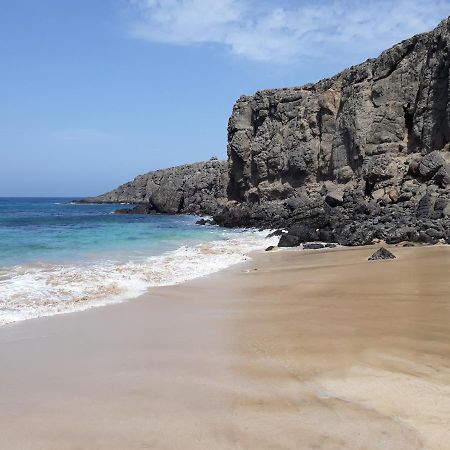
{"points": [[93, 93]]}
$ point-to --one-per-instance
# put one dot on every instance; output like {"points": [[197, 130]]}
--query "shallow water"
{"points": [[56, 256]]}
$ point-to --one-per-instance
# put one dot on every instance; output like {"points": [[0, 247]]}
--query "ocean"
{"points": [[58, 257]]}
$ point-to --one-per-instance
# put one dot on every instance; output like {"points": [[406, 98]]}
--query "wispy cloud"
{"points": [[281, 32], [80, 135]]}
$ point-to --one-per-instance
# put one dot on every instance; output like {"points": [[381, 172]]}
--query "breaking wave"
{"points": [[35, 290]]}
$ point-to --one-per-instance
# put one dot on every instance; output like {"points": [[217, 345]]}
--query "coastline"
{"points": [[310, 349], [143, 257]]}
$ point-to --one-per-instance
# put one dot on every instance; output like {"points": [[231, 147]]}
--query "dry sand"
{"points": [[292, 350]]}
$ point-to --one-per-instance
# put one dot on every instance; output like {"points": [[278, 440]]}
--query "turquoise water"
{"points": [[56, 256], [53, 230]]}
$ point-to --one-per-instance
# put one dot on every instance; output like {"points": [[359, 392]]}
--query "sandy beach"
{"points": [[291, 350]]}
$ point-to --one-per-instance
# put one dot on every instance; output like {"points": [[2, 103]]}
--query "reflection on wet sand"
{"points": [[293, 350], [359, 350]]}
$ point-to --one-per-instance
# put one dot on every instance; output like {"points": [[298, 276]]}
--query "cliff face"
{"points": [[360, 156], [374, 138], [192, 188], [341, 128]]}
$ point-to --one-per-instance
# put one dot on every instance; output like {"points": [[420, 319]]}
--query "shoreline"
{"points": [[291, 348], [47, 289]]}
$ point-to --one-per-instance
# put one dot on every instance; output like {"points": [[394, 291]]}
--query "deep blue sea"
{"points": [[57, 256]]}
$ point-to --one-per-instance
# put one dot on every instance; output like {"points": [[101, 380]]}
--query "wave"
{"points": [[31, 291]]}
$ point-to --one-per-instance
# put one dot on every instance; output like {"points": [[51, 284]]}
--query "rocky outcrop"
{"points": [[355, 158], [138, 209], [198, 188], [360, 156]]}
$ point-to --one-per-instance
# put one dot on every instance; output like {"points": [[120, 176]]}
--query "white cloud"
{"points": [[281, 31]]}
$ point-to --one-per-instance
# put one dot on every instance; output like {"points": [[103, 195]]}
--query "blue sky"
{"points": [[95, 92]]}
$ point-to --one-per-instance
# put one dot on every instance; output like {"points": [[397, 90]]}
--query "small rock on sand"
{"points": [[382, 253]]}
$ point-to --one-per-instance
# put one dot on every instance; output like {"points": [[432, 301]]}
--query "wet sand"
{"points": [[292, 350]]}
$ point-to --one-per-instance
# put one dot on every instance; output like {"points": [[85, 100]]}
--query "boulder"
{"points": [[313, 245], [425, 206], [289, 240], [204, 222], [334, 198], [442, 176], [304, 231], [400, 234], [446, 210], [138, 209], [430, 164], [382, 253]]}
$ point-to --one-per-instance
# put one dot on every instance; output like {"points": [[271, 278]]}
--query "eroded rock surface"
{"points": [[382, 253], [198, 188], [359, 156]]}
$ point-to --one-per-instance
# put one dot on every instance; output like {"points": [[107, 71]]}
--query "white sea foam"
{"points": [[31, 291]]}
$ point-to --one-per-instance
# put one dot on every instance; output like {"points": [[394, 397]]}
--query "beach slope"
{"points": [[304, 350]]}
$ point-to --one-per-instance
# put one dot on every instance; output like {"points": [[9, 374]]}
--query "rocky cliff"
{"points": [[198, 188], [363, 155], [359, 156]]}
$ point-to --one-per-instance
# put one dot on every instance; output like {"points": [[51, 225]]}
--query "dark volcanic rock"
{"points": [[399, 234], [313, 245], [275, 233], [198, 188], [138, 209], [360, 156], [430, 164], [359, 125], [334, 198], [205, 222], [442, 176], [289, 240], [382, 253], [425, 206], [305, 232], [270, 248]]}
